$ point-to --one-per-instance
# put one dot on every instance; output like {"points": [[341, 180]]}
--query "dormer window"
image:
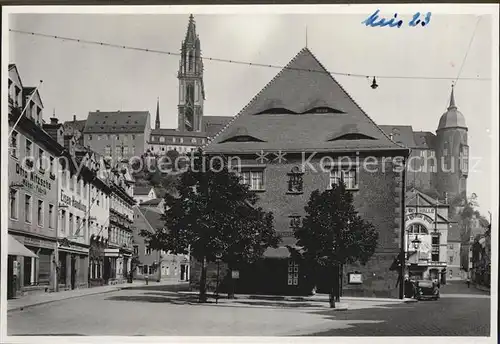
{"points": [[353, 136]]}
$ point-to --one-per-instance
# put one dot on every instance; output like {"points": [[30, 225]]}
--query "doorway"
{"points": [[73, 272], [183, 272]]}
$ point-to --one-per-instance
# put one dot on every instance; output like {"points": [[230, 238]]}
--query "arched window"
{"points": [[417, 228]]}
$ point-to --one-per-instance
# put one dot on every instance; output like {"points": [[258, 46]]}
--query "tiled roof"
{"points": [[424, 139], [117, 121], [153, 217], [279, 118], [402, 134], [424, 200], [76, 125], [213, 124], [175, 132], [155, 201], [142, 190]]}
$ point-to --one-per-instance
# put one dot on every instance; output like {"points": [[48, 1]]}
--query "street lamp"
{"points": [[218, 257], [416, 242]]}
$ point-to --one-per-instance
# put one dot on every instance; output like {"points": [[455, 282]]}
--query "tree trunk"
{"points": [[332, 297], [339, 281], [203, 281]]}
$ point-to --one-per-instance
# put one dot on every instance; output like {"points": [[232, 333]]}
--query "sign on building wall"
{"points": [[355, 278], [33, 181], [72, 202]]}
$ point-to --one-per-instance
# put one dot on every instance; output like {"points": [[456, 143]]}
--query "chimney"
{"points": [[74, 118], [97, 110], [53, 120]]}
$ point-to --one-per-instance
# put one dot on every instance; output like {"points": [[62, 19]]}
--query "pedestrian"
{"points": [[147, 279], [468, 283]]}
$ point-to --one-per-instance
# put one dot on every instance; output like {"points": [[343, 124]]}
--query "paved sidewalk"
{"points": [[314, 301], [40, 299]]}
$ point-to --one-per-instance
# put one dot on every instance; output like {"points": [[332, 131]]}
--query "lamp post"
{"points": [[218, 257], [416, 244]]}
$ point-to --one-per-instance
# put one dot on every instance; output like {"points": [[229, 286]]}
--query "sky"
{"points": [[79, 78]]}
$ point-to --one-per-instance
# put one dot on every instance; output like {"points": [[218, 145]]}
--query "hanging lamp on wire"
{"points": [[374, 84]]}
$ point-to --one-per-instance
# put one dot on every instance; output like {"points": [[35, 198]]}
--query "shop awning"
{"points": [[18, 249]]}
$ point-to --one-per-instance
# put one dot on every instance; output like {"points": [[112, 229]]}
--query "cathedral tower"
{"points": [[452, 152], [190, 75]]}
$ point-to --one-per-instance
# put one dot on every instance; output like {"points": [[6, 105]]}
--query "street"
{"points": [[155, 311]]}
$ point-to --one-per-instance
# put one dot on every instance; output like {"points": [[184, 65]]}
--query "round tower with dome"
{"points": [[452, 152]]}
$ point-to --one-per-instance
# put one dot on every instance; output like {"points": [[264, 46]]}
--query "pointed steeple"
{"points": [[157, 122], [452, 98], [191, 31]]}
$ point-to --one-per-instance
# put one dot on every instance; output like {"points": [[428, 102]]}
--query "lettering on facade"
{"points": [[420, 210], [33, 181], [419, 216], [72, 201]]}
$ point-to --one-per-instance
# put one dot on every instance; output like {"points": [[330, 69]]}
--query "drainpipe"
{"points": [[402, 248]]}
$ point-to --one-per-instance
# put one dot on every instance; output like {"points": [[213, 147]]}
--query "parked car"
{"points": [[427, 290]]}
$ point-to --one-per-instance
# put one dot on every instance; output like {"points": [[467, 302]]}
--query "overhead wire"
{"points": [[215, 59]]}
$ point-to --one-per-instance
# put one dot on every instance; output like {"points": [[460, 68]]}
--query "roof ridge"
{"points": [[210, 140], [352, 99]]}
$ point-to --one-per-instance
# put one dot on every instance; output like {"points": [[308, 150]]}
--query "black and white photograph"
{"points": [[259, 173]]}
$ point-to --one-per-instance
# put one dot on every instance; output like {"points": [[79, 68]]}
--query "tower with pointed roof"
{"points": [[190, 75], [452, 152], [157, 122]]}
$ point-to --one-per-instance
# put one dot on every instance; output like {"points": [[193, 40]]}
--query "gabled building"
{"points": [[304, 132], [426, 237], [144, 193], [32, 192], [156, 265]]}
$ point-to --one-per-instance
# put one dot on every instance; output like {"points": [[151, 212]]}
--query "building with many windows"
{"points": [[33, 195], [302, 133], [117, 135], [118, 254]]}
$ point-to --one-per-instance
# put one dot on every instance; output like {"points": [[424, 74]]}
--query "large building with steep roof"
{"points": [[301, 133], [117, 134]]}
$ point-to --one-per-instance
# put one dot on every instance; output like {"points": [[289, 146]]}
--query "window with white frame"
{"points": [[348, 175], [51, 216], [181, 140], [13, 201], [464, 159], [253, 178], [293, 273], [162, 139], [71, 224], [51, 167], [78, 186], [107, 150], [72, 183], [39, 213], [63, 221], [27, 208], [64, 177], [28, 149], [14, 144]]}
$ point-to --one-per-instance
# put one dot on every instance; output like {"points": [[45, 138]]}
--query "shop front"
{"points": [[96, 261], [73, 265]]}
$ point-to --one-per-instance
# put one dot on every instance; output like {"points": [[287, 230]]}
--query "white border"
{"points": [[481, 9]]}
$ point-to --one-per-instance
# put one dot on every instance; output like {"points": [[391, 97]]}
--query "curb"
{"points": [[21, 308]]}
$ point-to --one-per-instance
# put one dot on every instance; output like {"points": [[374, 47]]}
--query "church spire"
{"points": [[157, 122], [452, 98]]}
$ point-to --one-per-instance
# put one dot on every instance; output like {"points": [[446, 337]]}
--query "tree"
{"points": [[213, 213], [333, 234]]}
